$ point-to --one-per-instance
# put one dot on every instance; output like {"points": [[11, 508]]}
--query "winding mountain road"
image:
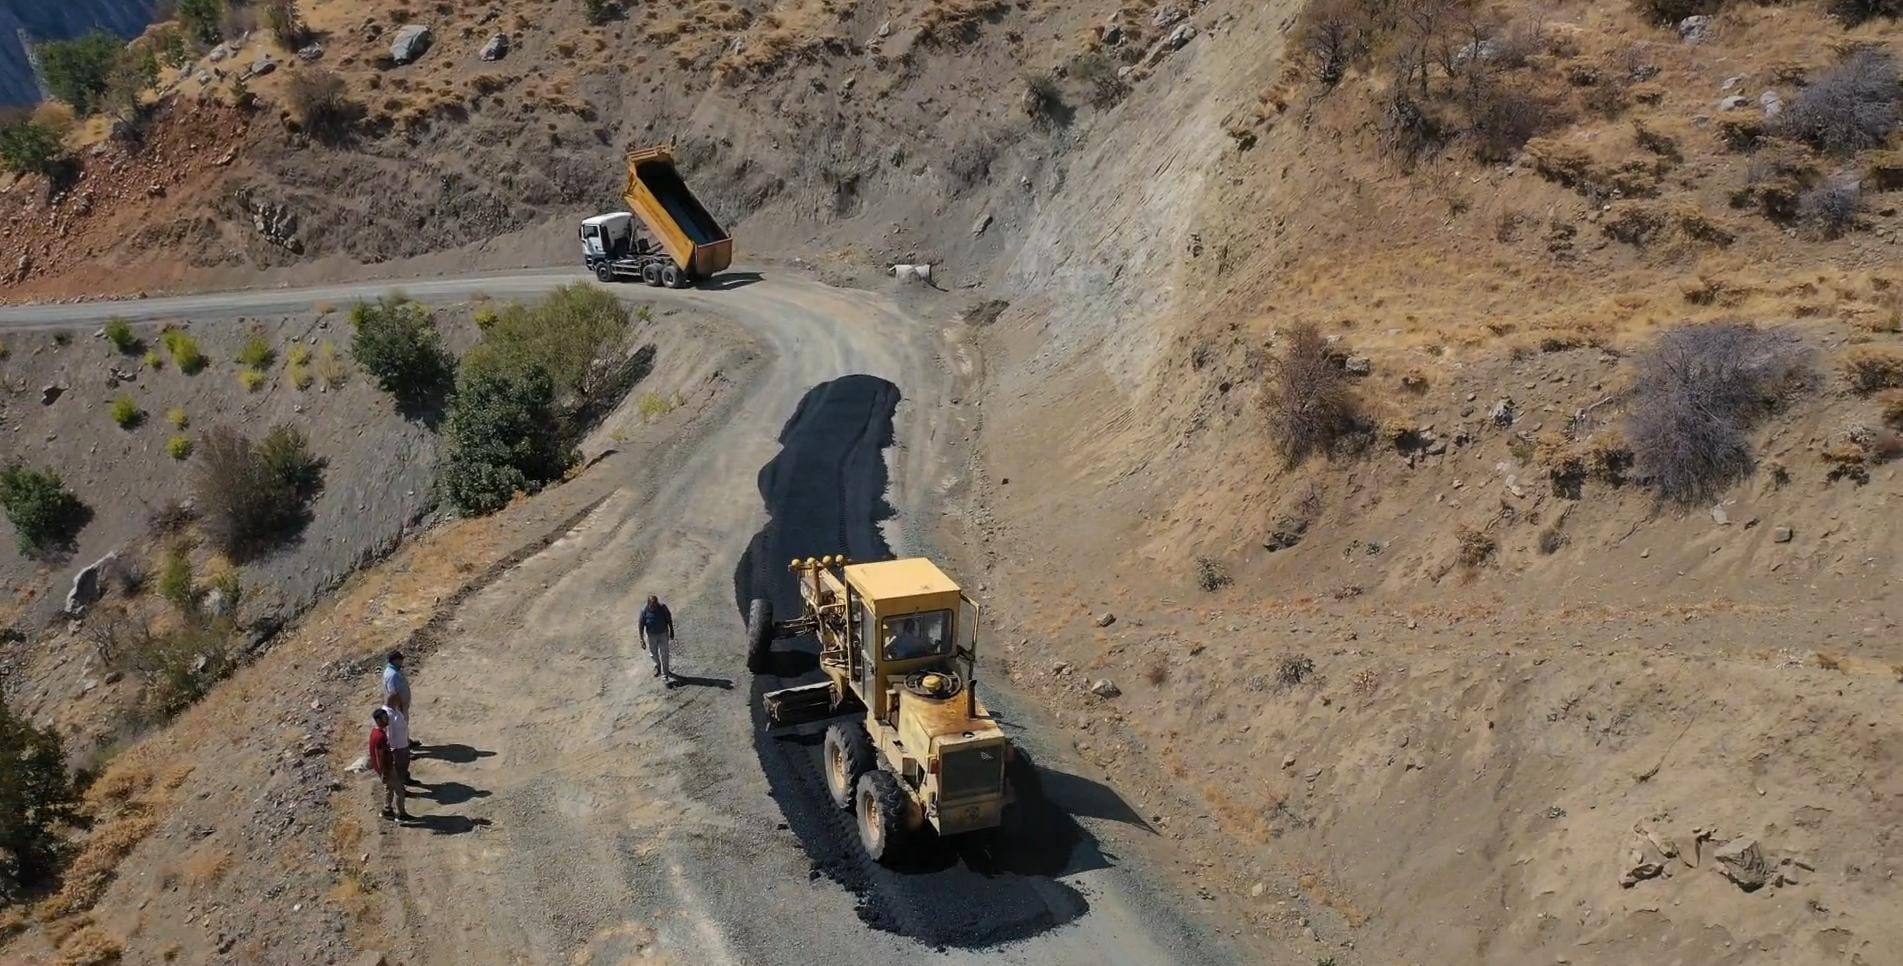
{"points": [[602, 817]]}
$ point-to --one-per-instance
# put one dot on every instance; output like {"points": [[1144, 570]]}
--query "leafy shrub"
{"points": [[1672, 11], [1831, 208], [1294, 669], [75, 71], [179, 447], [300, 355], [153, 360], [1210, 576], [175, 579], [201, 19], [257, 353], [126, 413], [1502, 118], [254, 496], [1311, 407], [503, 438], [44, 513], [598, 12], [653, 405], [185, 351], [320, 102], [1044, 100], [1699, 390], [1870, 368], [1854, 12], [330, 366], [286, 25], [177, 417], [36, 800], [396, 341], [119, 333], [179, 665], [135, 69], [1851, 108], [1099, 75], [251, 379], [30, 148], [172, 48], [563, 335], [299, 375]]}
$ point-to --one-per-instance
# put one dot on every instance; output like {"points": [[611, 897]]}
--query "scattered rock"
{"points": [[1502, 413], [310, 52], [1719, 516], [1358, 365], [216, 603], [1183, 34], [262, 66], [1060, 669], [1773, 104], [1695, 29], [21, 266], [1782, 535], [978, 227], [1733, 103], [114, 677], [411, 42], [917, 273], [1513, 486], [1288, 761], [1165, 16], [1741, 861], [89, 584], [496, 49], [1107, 619], [1255, 891], [1105, 688], [1639, 868], [1731, 83], [885, 29], [50, 393], [1111, 36], [218, 53]]}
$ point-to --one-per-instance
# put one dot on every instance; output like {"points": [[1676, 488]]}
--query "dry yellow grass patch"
{"points": [[88, 947], [1318, 887]]}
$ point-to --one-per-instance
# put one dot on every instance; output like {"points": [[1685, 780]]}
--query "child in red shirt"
{"points": [[383, 762]]}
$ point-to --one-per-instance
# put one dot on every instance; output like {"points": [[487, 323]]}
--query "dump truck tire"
{"points": [[881, 807], [759, 635], [848, 756], [651, 274], [670, 276], [605, 272]]}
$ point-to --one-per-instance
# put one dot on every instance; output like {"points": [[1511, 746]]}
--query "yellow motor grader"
{"points": [[909, 744]]}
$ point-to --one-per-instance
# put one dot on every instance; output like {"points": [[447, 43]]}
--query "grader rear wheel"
{"points": [[881, 806]]}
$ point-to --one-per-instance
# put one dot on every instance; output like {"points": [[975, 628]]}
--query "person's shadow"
{"points": [[449, 824], [451, 793], [687, 680], [453, 754]]}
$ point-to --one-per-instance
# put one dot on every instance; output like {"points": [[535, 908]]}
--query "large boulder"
{"points": [[90, 584], [412, 42]]}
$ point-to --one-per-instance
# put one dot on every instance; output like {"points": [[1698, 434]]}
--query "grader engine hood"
{"points": [[969, 751]]}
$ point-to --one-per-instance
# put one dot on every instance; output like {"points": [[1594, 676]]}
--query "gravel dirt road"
{"points": [[578, 810]]}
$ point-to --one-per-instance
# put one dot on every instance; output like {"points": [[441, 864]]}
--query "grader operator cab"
{"points": [[909, 744]]}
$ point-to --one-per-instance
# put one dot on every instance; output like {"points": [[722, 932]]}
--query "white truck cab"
{"points": [[613, 248], [606, 237]]}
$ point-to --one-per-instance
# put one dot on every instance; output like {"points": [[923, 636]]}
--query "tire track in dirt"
{"points": [[825, 492]]}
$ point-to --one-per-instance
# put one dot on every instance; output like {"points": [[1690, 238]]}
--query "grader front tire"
{"points": [[848, 754], [881, 806]]}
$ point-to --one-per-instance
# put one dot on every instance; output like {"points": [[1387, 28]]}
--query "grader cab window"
{"points": [[918, 635]]}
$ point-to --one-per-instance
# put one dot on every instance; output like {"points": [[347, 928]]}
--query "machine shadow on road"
{"points": [[825, 493], [689, 681], [727, 281]]}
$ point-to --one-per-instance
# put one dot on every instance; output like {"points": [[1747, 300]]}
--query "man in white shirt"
{"points": [[396, 687], [398, 734]]}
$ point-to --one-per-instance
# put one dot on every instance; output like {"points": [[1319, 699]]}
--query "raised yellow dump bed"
{"points": [[657, 195]]}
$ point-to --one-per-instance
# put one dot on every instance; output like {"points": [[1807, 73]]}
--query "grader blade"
{"points": [[789, 708]]}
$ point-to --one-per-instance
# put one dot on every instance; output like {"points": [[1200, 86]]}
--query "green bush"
{"points": [[396, 341], [563, 335], [119, 333], [44, 513], [175, 579], [200, 18], [178, 417], [153, 360], [185, 351], [36, 800], [503, 438], [180, 665], [251, 379], [30, 148], [257, 353], [179, 447], [126, 413], [76, 71], [598, 12], [252, 496]]}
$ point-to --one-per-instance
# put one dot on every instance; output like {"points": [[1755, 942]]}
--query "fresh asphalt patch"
{"points": [[825, 494]]}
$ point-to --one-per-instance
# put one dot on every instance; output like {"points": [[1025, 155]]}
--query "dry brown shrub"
{"points": [[88, 946], [956, 21], [1476, 548], [1891, 403], [1311, 406], [1870, 368], [1829, 662]]}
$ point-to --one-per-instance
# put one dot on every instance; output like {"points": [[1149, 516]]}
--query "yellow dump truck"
{"points": [[683, 242]]}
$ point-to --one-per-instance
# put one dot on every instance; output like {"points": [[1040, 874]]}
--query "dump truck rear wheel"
{"points": [[651, 274], [848, 756], [881, 807], [670, 276], [759, 635], [605, 272]]}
